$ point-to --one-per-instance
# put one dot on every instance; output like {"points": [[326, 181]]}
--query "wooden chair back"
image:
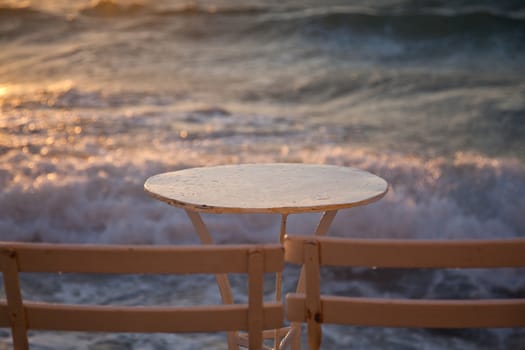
{"points": [[253, 260], [314, 309]]}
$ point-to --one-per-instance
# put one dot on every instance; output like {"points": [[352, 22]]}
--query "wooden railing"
{"points": [[315, 308], [253, 317]]}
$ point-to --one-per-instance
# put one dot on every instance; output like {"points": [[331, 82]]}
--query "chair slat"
{"points": [[493, 313], [392, 253], [140, 259], [162, 319]]}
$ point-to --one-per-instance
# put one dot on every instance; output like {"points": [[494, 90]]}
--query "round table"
{"points": [[265, 188]]}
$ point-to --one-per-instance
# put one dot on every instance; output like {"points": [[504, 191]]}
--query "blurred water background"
{"points": [[97, 96]]}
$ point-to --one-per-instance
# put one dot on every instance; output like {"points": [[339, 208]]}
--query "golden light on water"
{"points": [[43, 92], [4, 90]]}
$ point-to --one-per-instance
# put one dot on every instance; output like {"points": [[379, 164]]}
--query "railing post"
{"points": [[255, 298], [314, 316], [17, 317]]}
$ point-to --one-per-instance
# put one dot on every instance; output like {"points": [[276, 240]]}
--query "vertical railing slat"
{"points": [[313, 293], [14, 299], [255, 298]]}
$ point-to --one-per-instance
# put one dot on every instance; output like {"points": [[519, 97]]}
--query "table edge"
{"points": [[276, 210]]}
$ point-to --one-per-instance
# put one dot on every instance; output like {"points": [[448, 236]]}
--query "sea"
{"points": [[97, 96]]}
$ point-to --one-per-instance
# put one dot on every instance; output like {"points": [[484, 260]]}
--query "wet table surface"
{"points": [[267, 188]]}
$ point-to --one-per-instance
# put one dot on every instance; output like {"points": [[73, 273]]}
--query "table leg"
{"points": [[222, 279], [321, 230]]}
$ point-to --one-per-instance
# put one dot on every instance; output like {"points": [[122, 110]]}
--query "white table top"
{"points": [[267, 188]]}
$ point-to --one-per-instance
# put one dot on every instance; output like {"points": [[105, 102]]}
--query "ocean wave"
{"points": [[108, 8], [67, 96], [17, 21], [333, 25], [194, 9], [96, 198], [314, 21], [417, 26], [23, 12]]}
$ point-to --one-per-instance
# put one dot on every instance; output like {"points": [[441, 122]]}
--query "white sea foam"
{"points": [[99, 198]]}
